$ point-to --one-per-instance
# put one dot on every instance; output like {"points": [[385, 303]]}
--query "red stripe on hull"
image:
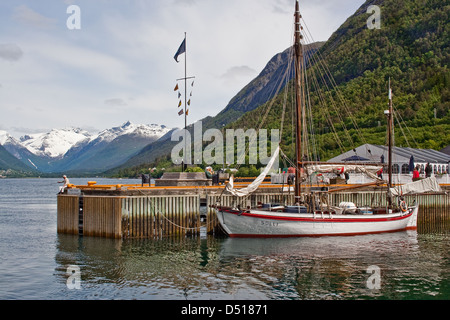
{"points": [[260, 216]]}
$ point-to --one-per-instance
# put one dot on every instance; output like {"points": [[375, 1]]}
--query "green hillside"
{"points": [[412, 49], [10, 166]]}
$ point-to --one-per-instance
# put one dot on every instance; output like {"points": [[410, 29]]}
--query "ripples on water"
{"points": [[35, 260]]}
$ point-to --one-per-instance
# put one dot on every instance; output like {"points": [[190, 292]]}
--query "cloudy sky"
{"points": [[119, 65]]}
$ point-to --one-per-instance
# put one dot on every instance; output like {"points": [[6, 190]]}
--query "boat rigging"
{"points": [[311, 214]]}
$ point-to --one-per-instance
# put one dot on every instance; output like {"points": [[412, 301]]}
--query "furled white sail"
{"points": [[256, 183], [370, 171], [421, 186]]}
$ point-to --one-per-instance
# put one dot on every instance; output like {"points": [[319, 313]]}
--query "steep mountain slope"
{"points": [[411, 49], [112, 147], [274, 76], [256, 93], [159, 149], [18, 151], [9, 162]]}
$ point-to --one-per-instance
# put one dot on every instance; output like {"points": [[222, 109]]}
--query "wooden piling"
{"points": [[68, 211], [102, 217]]}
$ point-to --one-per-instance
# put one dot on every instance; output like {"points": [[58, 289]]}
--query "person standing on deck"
{"points": [[428, 170], [66, 183], [380, 173]]}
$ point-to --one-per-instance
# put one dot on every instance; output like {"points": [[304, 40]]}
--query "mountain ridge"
{"points": [[75, 150]]}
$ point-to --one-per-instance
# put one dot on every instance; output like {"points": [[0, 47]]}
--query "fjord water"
{"points": [[35, 260]]}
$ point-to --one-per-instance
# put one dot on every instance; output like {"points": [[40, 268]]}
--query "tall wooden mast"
{"points": [[298, 51], [390, 114]]}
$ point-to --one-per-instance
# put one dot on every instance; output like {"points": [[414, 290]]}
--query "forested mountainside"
{"points": [[411, 49]]}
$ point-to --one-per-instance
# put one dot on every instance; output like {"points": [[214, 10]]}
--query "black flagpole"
{"points": [[185, 101]]}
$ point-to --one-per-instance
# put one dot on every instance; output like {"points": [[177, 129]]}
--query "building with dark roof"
{"points": [[403, 159]]}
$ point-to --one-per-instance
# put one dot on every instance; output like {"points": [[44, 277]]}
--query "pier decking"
{"points": [[136, 211]]}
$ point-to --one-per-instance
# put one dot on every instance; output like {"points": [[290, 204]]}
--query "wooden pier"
{"points": [[133, 211]]}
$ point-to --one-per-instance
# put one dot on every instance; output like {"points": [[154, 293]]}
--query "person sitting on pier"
{"points": [[66, 183]]}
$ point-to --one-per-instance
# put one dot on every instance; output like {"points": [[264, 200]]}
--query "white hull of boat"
{"points": [[260, 223]]}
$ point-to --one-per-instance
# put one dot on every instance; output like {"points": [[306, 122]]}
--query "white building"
{"points": [[403, 161]]}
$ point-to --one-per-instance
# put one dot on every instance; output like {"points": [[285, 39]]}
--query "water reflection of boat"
{"points": [[325, 267], [326, 246]]}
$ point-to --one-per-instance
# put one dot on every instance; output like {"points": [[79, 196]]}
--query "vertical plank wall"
{"points": [[160, 216], [102, 216], [68, 210]]}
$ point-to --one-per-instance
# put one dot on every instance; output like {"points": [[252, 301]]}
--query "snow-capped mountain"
{"points": [[128, 128], [10, 152], [74, 149], [7, 139], [14, 146], [112, 147], [56, 143]]}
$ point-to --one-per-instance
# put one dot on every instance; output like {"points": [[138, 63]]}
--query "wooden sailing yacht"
{"points": [[304, 218]]}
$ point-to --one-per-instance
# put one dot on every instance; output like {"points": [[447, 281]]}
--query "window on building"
{"points": [[395, 168], [405, 168]]}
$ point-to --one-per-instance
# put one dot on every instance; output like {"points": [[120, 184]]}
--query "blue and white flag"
{"points": [[181, 50]]}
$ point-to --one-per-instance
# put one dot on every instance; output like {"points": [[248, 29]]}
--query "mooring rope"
{"points": [[178, 226], [208, 223]]}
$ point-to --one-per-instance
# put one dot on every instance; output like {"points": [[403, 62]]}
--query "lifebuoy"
{"points": [[403, 206]]}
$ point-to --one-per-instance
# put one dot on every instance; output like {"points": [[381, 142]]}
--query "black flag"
{"points": [[181, 50]]}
